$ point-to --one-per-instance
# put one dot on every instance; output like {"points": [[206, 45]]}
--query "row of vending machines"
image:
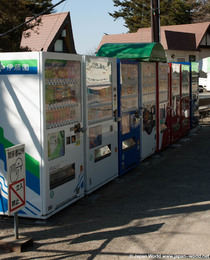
{"points": [[85, 120], [158, 103]]}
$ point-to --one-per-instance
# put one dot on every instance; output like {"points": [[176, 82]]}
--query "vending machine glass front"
{"points": [[62, 97]]}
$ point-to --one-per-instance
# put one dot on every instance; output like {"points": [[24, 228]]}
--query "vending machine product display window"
{"points": [[129, 86], [99, 91], [62, 83]]}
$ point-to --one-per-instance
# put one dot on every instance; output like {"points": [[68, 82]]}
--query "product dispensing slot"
{"points": [[102, 153], [61, 176], [128, 144]]}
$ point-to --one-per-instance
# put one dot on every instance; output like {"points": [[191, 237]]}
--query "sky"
{"points": [[90, 20]]}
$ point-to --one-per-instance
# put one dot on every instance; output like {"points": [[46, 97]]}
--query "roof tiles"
{"points": [[176, 37], [42, 36]]}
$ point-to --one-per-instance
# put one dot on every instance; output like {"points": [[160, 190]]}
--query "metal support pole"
{"points": [[155, 20], [16, 224]]}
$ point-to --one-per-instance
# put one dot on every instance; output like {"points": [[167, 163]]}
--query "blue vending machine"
{"points": [[128, 109]]}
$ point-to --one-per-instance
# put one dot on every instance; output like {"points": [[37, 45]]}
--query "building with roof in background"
{"points": [[185, 42], [52, 34]]}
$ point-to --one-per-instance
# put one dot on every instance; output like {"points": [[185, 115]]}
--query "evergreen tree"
{"points": [[14, 13], [137, 13], [175, 12], [201, 10]]}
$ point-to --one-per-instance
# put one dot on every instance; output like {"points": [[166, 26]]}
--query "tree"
{"points": [[201, 12], [137, 13], [14, 13], [175, 12]]}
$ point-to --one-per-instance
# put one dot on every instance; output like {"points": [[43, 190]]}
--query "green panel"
{"points": [[139, 51], [31, 63], [195, 66], [32, 165], [186, 68], [4, 141]]}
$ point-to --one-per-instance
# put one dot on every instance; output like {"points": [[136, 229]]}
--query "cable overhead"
{"points": [[36, 16]]}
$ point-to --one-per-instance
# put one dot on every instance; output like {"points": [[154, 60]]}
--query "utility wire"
{"points": [[36, 16]]}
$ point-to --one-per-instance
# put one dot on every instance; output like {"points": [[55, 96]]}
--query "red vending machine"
{"points": [[163, 106], [185, 98], [175, 101]]}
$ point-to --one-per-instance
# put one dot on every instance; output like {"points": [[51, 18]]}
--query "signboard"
{"points": [[16, 177], [17, 67]]}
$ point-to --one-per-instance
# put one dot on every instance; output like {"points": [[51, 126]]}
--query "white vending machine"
{"points": [[148, 109], [101, 128], [41, 99]]}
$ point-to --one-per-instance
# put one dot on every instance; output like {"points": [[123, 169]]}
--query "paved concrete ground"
{"points": [[159, 210]]}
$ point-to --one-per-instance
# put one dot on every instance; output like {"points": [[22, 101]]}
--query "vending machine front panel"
{"points": [[148, 108], [163, 106], [185, 99], [64, 154], [194, 94], [175, 102], [101, 144], [129, 125]]}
